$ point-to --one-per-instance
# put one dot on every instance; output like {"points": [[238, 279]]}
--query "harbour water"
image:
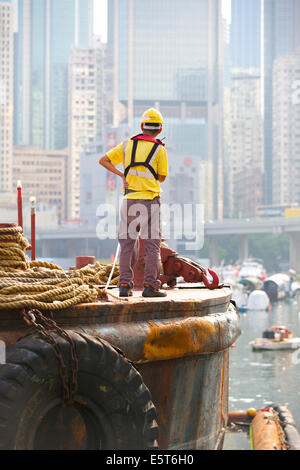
{"points": [[260, 378]]}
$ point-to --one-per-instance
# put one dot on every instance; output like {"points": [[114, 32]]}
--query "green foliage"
{"points": [[272, 250]]}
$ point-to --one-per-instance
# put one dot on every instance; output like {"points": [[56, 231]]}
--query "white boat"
{"points": [[268, 344], [252, 268], [258, 300], [248, 296], [276, 338], [277, 286]]}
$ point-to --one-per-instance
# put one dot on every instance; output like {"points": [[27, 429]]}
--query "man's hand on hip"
{"points": [[125, 183]]}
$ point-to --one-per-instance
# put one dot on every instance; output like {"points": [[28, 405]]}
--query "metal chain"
{"points": [[73, 385], [42, 324]]}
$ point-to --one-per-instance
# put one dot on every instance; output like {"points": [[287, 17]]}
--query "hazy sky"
{"points": [[100, 20], [100, 23], [227, 9]]}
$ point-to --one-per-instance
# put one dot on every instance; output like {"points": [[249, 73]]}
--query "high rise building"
{"points": [[245, 33], [169, 55], [280, 37], [286, 130], [226, 116], [108, 71], [227, 169], [6, 94], [243, 131], [43, 175], [86, 112], [47, 30], [245, 143]]}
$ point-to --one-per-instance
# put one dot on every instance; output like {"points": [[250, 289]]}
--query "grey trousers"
{"points": [[140, 217]]}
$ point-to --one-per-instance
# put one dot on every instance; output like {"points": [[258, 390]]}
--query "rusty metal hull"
{"points": [[179, 344], [191, 396]]}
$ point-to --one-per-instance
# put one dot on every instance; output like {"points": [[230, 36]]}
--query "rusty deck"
{"points": [[186, 301]]}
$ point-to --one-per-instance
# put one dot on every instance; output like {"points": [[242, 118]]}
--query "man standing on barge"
{"points": [[145, 166]]}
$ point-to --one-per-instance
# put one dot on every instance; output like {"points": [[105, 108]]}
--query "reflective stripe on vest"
{"points": [[143, 174]]}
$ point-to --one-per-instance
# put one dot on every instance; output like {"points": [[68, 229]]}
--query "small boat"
{"points": [[276, 338], [248, 296], [277, 287], [251, 283], [252, 268], [258, 300]]}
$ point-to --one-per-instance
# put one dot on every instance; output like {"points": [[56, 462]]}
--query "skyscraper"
{"points": [[86, 112], [281, 36], [286, 130], [43, 175], [47, 30], [245, 142], [245, 33], [6, 94], [169, 55]]}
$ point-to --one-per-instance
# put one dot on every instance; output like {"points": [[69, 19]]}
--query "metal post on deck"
{"points": [[33, 212], [20, 208]]}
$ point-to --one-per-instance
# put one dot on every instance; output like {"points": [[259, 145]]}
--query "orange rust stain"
{"points": [[79, 433], [223, 416], [177, 339]]}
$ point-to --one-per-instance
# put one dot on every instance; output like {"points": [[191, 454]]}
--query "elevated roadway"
{"points": [[245, 227], [213, 230]]}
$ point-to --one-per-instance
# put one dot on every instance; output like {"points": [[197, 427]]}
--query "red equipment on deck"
{"points": [[174, 266], [82, 261]]}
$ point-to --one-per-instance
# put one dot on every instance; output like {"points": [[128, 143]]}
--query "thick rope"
{"points": [[42, 285], [44, 264], [83, 295], [12, 249], [20, 287]]}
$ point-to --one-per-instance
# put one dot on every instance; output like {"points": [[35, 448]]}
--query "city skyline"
{"points": [[195, 79]]}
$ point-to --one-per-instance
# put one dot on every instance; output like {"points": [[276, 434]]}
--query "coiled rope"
{"points": [[42, 285]]}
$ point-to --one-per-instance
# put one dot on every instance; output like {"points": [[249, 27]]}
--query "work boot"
{"points": [[125, 290], [149, 291]]}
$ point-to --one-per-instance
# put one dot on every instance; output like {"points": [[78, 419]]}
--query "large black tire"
{"points": [[112, 409]]}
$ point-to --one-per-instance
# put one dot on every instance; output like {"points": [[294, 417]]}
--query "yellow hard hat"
{"points": [[152, 116]]}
